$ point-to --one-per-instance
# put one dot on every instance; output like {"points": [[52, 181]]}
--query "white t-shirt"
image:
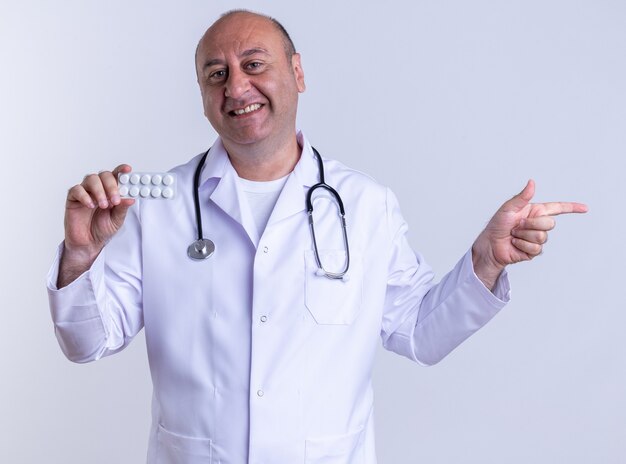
{"points": [[262, 197]]}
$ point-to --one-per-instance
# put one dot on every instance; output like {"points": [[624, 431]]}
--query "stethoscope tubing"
{"points": [[203, 248]]}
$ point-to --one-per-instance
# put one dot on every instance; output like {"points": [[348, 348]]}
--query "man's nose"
{"points": [[237, 84]]}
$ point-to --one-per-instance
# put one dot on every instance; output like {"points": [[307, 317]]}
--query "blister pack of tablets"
{"points": [[149, 185]]}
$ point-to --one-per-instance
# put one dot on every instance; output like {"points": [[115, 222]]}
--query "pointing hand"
{"points": [[517, 232]]}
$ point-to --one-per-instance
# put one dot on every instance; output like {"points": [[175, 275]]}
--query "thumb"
{"points": [[118, 212], [519, 201]]}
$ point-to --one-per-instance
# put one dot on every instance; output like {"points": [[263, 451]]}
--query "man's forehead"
{"points": [[239, 32]]}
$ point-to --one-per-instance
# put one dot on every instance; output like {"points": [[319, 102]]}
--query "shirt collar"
{"points": [[218, 163], [306, 170]]}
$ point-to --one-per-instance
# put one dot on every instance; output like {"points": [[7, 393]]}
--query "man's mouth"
{"points": [[248, 109]]}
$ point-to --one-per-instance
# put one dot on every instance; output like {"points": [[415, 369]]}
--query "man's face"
{"points": [[249, 86]]}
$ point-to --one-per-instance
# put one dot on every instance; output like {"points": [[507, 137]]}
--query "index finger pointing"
{"points": [[563, 207]]}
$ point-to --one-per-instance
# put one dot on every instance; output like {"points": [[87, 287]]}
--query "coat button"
{"points": [[263, 318], [266, 249], [260, 393]]}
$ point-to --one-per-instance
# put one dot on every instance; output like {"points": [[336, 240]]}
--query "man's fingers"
{"points": [[537, 223], [109, 183], [521, 200], [530, 248], [118, 214], [121, 168], [99, 189], [80, 195], [533, 236], [93, 186], [562, 207]]}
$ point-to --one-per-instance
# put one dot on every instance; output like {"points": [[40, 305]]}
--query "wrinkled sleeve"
{"points": [[425, 321], [101, 311]]}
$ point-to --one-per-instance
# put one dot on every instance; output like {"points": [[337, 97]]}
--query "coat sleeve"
{"points": [[425, 321], [101, 311]]}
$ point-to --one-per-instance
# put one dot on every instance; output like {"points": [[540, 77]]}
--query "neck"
{"points": [[263, 162]]}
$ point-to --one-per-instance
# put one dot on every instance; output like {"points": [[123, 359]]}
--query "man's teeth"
{"points": [[247, 109]]}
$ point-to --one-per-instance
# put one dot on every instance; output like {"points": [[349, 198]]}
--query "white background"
{"points": [[454, 104]]}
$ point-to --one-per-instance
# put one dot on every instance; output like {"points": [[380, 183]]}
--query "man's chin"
{"points": [[246, 137]]}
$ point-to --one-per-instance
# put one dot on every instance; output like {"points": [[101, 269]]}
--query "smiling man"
{"points": [[263, 352], [250, 87]]}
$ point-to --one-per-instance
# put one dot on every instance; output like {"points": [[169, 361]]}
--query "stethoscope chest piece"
{"points": [[201, 249]]}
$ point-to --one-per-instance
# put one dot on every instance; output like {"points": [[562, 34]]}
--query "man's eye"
{"points": [[254, 65], [217, 75]]}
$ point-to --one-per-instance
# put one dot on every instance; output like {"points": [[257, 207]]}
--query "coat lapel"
{"points": [[292, 199], [227, 194]]}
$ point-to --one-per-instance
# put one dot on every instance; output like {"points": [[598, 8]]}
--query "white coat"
{"points": [[254, 357]]}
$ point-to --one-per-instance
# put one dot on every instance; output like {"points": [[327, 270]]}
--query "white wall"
{"points": [[467, 99]]}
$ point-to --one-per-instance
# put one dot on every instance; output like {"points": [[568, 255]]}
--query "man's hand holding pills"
{"points": [[94, 212]]}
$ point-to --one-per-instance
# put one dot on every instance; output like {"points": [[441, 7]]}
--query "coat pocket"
{"points": [[333, 301], [178, 449], [341, 449]]}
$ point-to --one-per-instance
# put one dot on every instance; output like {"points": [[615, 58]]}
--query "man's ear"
{"points": [[298, 72]]}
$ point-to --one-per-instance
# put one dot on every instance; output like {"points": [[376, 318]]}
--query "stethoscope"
{"points": [[203, 248]]}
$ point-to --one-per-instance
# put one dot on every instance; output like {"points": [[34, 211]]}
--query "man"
{"points": [[256, 355]]}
